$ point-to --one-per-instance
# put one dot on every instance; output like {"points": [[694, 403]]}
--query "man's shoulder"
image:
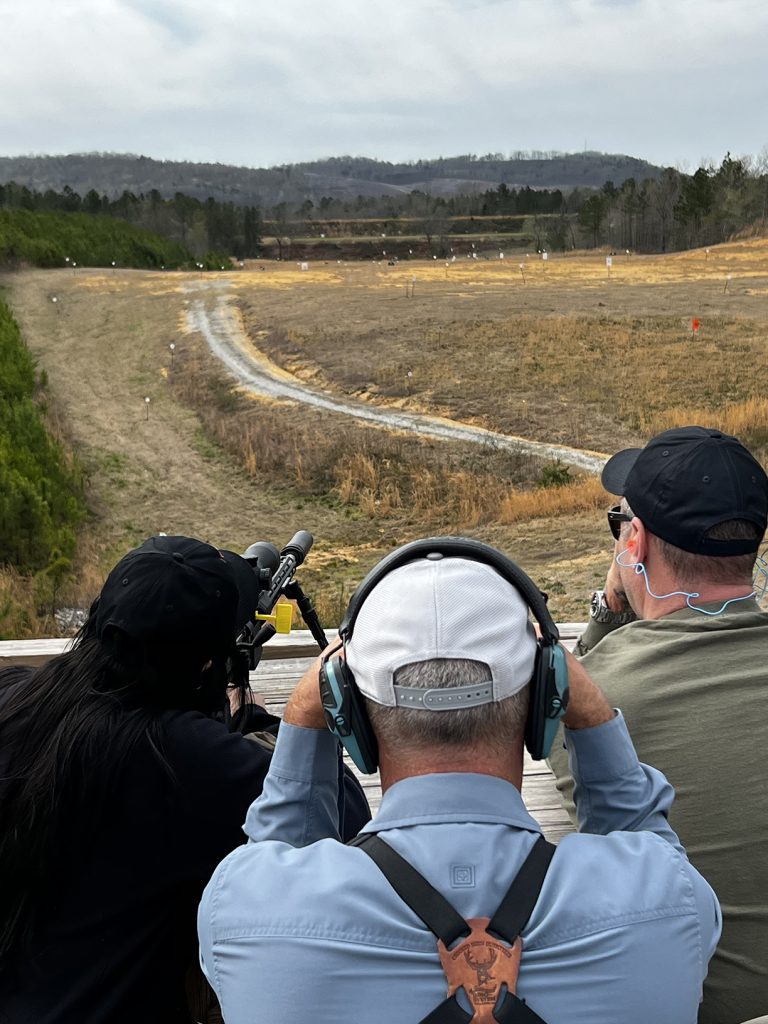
{"points": [[275, 888], [647, 640], [636, 660], [607, 880], [255, 871]]}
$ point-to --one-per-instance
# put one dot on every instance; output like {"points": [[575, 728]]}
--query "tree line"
{"points": [[678, 211], [658, 213], [673, 211], [198, 228], [41, 495]]}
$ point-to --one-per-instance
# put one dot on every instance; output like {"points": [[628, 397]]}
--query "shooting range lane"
{"points": [[227, 340]]}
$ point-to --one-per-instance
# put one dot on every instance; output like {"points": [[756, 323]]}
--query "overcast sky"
{"points": [[263, 82]]}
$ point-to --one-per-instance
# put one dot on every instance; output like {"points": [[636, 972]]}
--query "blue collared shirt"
{"points": [[294, 926]]}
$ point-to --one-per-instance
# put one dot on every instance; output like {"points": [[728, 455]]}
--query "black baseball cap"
{"points": [[687, 480], [178, 590]]}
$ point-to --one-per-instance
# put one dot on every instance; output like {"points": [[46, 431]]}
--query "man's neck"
{"points": [[395, 767], [657, 608]]}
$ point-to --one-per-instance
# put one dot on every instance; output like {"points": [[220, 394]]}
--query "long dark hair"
{"points": [[66, 727]]}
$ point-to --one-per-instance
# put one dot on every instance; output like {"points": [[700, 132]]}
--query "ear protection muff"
{"points": [[343, 703]]}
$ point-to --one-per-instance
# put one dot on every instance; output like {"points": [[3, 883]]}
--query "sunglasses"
{"points": [[615, 518]]}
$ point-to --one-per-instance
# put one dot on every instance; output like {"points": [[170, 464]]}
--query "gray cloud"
{"points": [[258, 83]]}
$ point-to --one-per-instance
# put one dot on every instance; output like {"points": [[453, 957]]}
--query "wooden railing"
{"points": [[297, 644]]}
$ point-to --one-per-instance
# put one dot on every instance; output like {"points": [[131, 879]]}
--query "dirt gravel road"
{"points": [[222, 329]]}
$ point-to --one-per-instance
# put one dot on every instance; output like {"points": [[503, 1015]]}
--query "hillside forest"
{"points": [[665, 212]]}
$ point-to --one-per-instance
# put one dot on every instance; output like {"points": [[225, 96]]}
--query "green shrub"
{"points": [[41, 502], [47, 238], [556, 474]]}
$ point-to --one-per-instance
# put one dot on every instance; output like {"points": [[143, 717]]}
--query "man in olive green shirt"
{"points": [[678, 642]]}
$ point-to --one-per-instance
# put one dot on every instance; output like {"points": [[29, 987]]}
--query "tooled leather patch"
{"points": [[481, 964]]}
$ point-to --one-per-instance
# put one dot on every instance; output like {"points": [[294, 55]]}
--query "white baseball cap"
{"points": [[442, 607]]}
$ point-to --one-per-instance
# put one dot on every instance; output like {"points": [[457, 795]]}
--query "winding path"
{"points": [[226, 338]]}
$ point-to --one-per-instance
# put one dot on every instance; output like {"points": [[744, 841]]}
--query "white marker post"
{"points": [[55, 301], [727, 282], [113, 266], [172, 347], [147, 400], [609, 264], [522, 272]]}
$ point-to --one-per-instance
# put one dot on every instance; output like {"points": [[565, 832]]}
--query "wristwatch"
{"points": [[600, 611]]}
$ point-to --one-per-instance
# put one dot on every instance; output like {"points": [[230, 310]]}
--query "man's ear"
{"points": [[637, 541]]}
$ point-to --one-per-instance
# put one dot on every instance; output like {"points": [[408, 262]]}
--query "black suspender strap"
{"points": [[517, 906], [448, 925], [448, 1012], [424, 900]]}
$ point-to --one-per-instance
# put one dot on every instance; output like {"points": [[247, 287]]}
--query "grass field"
{"points": [[568, 351]]}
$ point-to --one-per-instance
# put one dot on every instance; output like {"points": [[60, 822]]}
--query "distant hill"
{"points": [[341, 178]]}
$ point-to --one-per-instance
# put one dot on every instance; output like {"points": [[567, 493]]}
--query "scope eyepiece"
{"points": [[262, 555]]}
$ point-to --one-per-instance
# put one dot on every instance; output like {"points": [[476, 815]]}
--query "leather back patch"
{"points": [[481, 964]]}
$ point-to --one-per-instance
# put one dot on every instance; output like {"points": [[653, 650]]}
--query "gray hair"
{"points": [[494, 725]]}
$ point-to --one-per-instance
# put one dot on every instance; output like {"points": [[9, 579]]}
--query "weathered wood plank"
{"points": [[297, 644]]}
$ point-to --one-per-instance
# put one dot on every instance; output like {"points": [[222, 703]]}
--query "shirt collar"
{"points": [[452, 797]]}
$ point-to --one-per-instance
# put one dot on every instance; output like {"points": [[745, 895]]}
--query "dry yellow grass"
{"points": [[571, 356], [743, 260], [747, 419]]}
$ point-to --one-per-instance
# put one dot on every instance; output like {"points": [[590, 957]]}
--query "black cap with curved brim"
{"points": [[178, 590], [688, 480]]}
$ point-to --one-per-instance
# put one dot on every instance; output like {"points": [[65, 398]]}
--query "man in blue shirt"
{"points": [[295, 926]]}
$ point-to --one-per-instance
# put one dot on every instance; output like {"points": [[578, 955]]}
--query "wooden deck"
{"points": [[285, 660]]}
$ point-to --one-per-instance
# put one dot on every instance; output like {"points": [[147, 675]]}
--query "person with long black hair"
{"points": [[120, 791]]}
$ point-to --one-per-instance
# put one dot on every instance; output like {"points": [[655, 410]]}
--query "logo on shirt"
{"points": [[463, 876]]}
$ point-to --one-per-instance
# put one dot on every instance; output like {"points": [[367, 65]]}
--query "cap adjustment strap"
{"points": [[444, 700]]}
